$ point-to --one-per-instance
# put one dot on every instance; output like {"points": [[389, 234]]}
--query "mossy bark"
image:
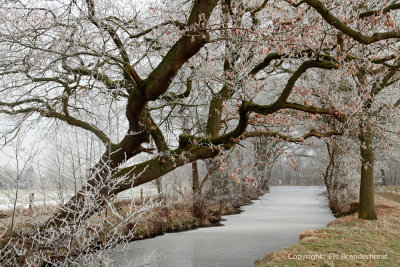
{"points": [[366, 208]]}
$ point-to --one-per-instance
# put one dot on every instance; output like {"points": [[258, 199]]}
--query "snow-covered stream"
{"points": [[267, 225]]}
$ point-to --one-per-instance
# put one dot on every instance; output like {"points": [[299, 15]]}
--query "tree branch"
{"points": [[117, 41], [173, 96], [101, 77], [377, 88], [188, 45], [316, 110], [387, 9], [340, 25], [157, 167], [265, 63], [247, 107], [158, 136], [179, 24], [328, 65], [312, 133], [48, 112], [81, 124]]}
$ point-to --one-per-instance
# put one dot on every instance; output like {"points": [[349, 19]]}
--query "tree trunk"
{"points": [[384, 180], [366, 208], [98, 190], [93, 197], [198, 206], [159, 189]]}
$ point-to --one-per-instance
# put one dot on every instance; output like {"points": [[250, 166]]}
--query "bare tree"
{"points": [[17, 175]]}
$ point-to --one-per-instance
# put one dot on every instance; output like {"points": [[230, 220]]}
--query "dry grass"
{"points": [[390, 195], [141, 221], [347, 236], [160, 219]]}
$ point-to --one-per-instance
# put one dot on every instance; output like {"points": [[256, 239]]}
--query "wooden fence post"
{"points": [[31, 198]]}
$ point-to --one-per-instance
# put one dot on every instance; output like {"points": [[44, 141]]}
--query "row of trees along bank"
{"points": [[134, 77]]}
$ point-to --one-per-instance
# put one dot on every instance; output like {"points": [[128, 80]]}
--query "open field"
{"points": [[54, 197]]}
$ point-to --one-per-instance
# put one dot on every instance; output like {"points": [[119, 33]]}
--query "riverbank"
{"points": [[125, 221], [347, 241], [177, 217]]}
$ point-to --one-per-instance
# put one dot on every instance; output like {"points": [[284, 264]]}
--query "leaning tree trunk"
{"points": [[366, 209], [98, 191]]}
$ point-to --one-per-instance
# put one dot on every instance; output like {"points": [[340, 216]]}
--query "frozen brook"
{"points": [[270, 223]]}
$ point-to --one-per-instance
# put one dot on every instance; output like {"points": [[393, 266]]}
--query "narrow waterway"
{"points": [[270, 223]]}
